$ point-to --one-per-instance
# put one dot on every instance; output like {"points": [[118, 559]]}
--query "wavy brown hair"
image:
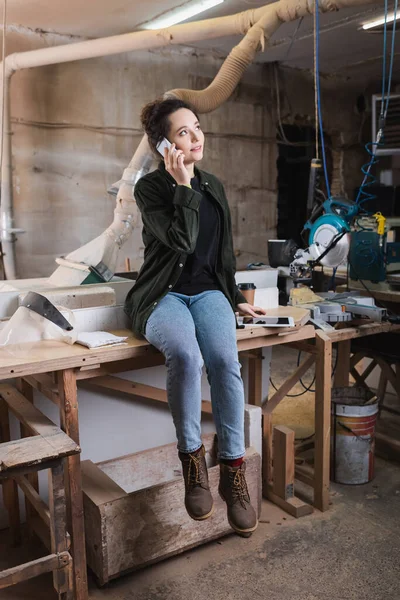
{"points": [[155, 119]]}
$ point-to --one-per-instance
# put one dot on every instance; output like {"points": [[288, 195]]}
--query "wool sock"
{"points": [[232, 463]]}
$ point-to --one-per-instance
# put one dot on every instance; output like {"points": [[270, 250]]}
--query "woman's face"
{"points": [[186, 134]]}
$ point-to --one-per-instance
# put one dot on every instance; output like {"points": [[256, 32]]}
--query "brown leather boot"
{"points": [[233, 489], [198, 500]]}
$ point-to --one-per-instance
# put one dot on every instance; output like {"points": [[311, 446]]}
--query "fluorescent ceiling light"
{"points": [[180, 13], [381, 21]]}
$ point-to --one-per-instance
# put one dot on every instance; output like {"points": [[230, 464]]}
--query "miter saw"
{"points": [[328, 231], [336, 234]]}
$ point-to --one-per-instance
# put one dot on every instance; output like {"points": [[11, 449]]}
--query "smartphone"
{"points": [[162, 145], [266, 321]]}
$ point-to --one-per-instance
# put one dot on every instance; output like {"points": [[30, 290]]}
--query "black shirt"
{"points": [[198, 274]]}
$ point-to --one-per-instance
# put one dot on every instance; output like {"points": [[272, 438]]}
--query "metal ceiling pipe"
{"points": [[258, 25]]}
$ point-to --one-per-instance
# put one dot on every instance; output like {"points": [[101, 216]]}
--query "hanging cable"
{"points": [[281, 132], [293, 39], [391, 61], [315, 83], [318, 96], [368, 180]]}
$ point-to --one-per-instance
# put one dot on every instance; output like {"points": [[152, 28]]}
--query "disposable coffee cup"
{"points": [[248, 291]]}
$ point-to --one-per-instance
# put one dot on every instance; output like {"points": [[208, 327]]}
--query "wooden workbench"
{"points": [[54, 369], [320, 351]]}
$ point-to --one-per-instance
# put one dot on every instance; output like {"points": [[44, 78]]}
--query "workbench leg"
{"points": [[255, 378], [382, 385], [342, 372], [62, 577], [33, 478], [283, 485], [266, 452], [322, 420], [70, 424], [10, 488]]}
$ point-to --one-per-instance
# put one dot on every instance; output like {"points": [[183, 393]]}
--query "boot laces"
{"points": [[239, 488], [196, 473]]}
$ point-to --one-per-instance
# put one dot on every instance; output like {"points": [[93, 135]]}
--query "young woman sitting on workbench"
{"points": [[184, 302]]}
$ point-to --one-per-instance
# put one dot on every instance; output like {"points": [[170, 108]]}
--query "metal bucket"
{"points": [[354, 414]]}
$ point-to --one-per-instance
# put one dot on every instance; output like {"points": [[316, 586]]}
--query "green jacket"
{"points": [[170, 215]]}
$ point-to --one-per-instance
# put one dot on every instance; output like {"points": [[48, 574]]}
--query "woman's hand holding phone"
{"points": [[175, 165]]}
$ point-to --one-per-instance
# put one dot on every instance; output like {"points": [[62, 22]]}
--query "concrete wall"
{"points": [[76, 126]]}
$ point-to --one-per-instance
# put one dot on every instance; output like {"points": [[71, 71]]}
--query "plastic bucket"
{"points": [[354, 415]]}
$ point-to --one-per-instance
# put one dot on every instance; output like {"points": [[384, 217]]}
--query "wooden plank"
{"points": [[322, 420], [355, 359], [121, 366], [303, 347], [351, 333], [26, 412], [154, 466], [259, 339], [33, 568], [388, 371], [34, 451], [98, 486], [294, 506], [305, 474], [43, 384], [41, 530], [27, 391], [10, 490], [46, 357], [140, 390], [285, 388], [255, 378], [70, 423], [266, 452], [300, 317], [34, 499], [45, 380], [283, 457], [62, 579], [368, 370], [382, 385], [360, 379], [342, 373]]}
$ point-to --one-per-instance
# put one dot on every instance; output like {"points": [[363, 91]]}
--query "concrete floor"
{"points": [[351, 552]]}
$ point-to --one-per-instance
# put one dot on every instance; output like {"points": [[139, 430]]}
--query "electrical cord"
{"points": [[283, 139], [306, 388], [293, 38]]}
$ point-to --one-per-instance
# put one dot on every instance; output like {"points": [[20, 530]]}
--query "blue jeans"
{"points": [[188, 329]]}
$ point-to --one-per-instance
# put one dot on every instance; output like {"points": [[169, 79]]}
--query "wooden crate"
{"points": [[135, 513]]}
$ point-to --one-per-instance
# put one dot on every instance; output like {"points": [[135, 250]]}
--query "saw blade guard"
{"points": [[322, 233]]}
